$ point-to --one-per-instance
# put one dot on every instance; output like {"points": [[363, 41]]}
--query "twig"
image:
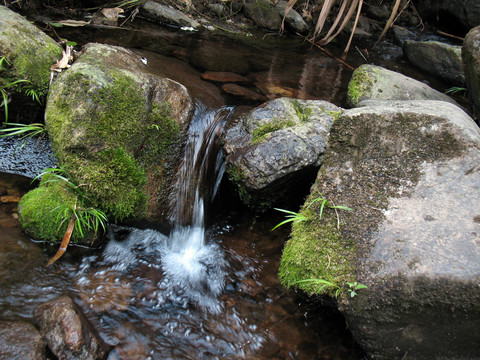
{"points": [[450, 35], [361, 54], [132, 15], [389, 22], [419, 17], [328, 52]]}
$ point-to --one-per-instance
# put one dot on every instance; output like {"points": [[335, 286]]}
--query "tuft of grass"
{"points": [[292, 217], [24, 131]]}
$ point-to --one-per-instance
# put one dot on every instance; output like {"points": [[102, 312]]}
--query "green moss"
{"points": [[303, 112], [359, 83], [114, 182], [39, 210], [316, 250], [335, 114], [261, 132]]}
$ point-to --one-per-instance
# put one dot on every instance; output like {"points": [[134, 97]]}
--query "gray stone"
{"points": [[275, 144], [263, 14], [169, 15], [293, 19], [20, 340], [471, 60], [374, 82], [410, 172], [67, 332], [441, 60]]}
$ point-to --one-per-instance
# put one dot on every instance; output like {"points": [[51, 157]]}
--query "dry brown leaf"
{"points": [[63, 63], [73, 23], [112, 13]]}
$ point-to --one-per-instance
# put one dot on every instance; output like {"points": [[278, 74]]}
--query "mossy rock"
{"points": [[371, 82], [407, 169], [118, 129], [274, 151], [39, 213], [29, 51]]}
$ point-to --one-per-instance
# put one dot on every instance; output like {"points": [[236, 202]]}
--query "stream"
{"points": [[208, 289]]}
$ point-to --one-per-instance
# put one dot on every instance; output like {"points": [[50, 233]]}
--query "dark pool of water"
{"points": [[140, 316]]}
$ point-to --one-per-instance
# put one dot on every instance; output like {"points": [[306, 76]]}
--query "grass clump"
{"points": [[261, 132]]}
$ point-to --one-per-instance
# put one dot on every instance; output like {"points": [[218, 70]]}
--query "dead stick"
{"points": [[65, 241], [450, 35]]}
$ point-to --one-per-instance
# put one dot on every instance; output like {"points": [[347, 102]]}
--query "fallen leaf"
{"points": [[112, 13]]}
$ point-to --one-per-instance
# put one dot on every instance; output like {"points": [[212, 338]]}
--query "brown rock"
{"points": [[224, 77], [67, 332], [241, 91], [20, 341]]}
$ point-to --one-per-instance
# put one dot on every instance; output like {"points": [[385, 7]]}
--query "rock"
{"points": [[275, 145], [464, 13], [168, 15], [471, 60], [67, 331], [29, 51], [263, 14], [117, 128], [224, 77], [438, 59], [293, 19], [20, 340], [409, 171], [374, 82], [380, 12], [243, 92]]}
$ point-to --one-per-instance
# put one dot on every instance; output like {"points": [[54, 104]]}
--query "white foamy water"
{"points": [[193, 267]]}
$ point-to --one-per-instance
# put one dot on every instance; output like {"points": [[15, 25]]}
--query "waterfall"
{"points": [[196, 265], [193, 267]]}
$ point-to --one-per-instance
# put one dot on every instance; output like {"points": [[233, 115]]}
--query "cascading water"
{"points": [[193, 268]]}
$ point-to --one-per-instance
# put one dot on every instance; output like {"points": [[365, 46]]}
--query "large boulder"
{"points": [[67, 332], [117, 129], [28, 51], [20, 340], [374, 82], [471, 60], [275, 145], [409, 171], [441, 60]]}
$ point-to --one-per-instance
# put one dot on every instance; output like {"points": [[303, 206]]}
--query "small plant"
{"points": [[291, 217], [82, 217], [455, 89], [354, 287], [303, 112], [324, 203], [337, 290], [28, 90], [24, 131]]}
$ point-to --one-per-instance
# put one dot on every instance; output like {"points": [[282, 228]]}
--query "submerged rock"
{"points": [[409, 171], [441, 60], [275, 145], [471, 59], [374, 82], [20, 340], [67, 331]]}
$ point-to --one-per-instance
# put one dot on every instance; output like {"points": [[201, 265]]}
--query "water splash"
{"points": [[193, 267]]}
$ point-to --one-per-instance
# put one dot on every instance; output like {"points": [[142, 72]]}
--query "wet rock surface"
{"points": [[438, 59], [20, 340], [471, 59], [271, 146], [67, 332]]}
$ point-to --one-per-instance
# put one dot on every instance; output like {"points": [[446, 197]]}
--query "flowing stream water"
{"points": [[209, 288]]}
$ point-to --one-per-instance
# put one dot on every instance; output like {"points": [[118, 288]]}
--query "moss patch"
{"points": [[39, 210], [261, 132], [360, 82]]}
